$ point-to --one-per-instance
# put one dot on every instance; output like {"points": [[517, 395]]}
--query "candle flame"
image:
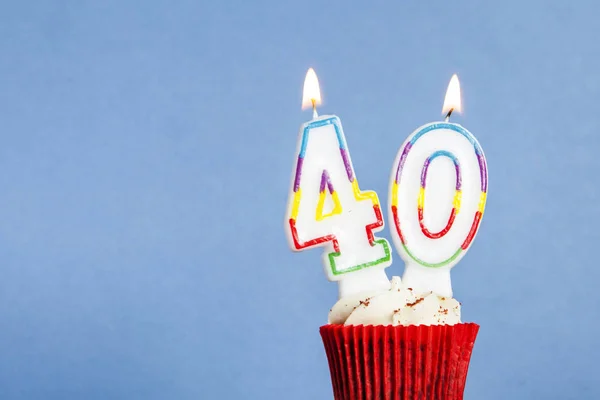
{"points": [[452, 100], [311, 95]]}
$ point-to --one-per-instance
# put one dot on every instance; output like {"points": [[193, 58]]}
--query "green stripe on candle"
{"points": [[432, 265], [385, 258]]}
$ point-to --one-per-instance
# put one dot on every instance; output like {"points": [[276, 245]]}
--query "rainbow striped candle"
{"points": [[327, 208], [438, 191]]}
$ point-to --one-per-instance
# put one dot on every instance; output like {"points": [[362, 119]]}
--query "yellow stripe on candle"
{"points": [[421, 200], [366, 195], [457, 199], [394, 194], [482, 200], [337, 206], [296, 203]]}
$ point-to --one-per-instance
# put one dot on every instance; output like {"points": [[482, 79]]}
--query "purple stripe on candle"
{"points": [[323, 181], [402, 160], [298, 173], [347, 165], [424, 172], [330, 186], [458, 176], [482, 172]]}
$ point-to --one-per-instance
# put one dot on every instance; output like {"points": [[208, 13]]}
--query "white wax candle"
{"points": [[437, 196], [327, 208]]}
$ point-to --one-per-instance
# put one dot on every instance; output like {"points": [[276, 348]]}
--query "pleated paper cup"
{"points": [[399, 362]]}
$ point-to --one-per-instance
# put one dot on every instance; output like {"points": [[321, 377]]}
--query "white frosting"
{"points": [[397, 306]]}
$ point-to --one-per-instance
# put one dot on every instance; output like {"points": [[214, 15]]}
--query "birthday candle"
{"points": [[327, 208], [438, 191]]}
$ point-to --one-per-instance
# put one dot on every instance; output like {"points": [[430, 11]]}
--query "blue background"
{"points": [[144, 167]]}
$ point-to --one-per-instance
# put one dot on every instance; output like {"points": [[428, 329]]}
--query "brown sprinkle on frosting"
{"points": [[420, 299]]}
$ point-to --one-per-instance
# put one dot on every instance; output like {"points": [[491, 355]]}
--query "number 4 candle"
{"points": [[327, 208], [438, 190]]}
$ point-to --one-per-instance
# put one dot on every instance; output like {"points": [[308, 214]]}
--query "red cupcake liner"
{"points": [[399, 362]]}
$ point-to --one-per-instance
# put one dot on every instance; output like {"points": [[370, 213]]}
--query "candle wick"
{"points": [[448, 115], [314, 105]]}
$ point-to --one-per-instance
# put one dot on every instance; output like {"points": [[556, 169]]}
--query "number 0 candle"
{"points": [[438, 190], [327, 208]]}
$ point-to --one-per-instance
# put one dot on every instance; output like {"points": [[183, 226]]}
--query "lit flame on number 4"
{"points": [[311, 95]]}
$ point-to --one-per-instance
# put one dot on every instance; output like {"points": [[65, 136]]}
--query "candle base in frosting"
{"points": [[369, 279], [425, 279]]}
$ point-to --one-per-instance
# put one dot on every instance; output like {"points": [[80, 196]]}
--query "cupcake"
{"points": [[397, 344], [398, 339]]}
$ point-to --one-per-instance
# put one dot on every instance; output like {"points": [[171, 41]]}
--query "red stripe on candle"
{"points": [[397, 223], [441, 233], [473, 231], [376, 224], [314, 242]]}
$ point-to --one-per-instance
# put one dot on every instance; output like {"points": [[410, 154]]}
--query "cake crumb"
{"points": [[420, 299], [365, 303]]}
